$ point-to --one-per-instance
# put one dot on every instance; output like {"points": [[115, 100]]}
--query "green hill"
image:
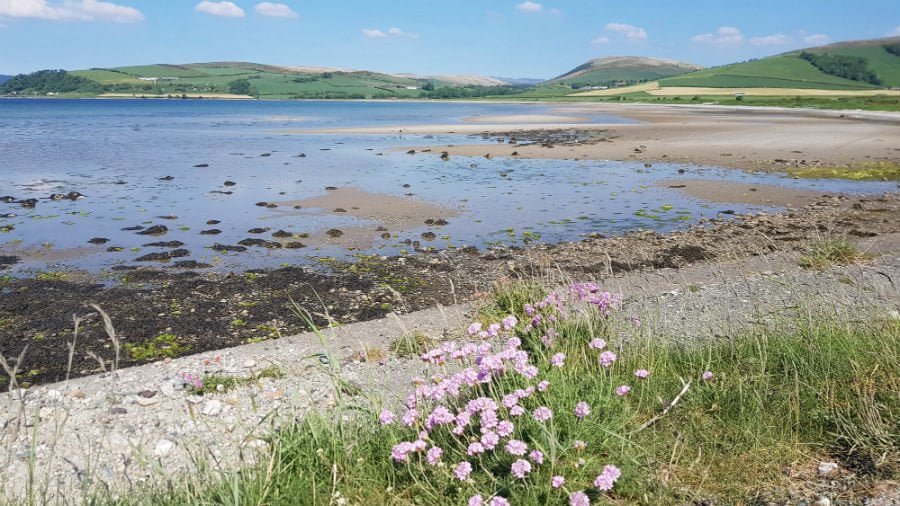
{"points": [[841, 66], [621, 70]]}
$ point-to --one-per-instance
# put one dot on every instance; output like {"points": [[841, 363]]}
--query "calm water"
{"points": [[116, 151]]}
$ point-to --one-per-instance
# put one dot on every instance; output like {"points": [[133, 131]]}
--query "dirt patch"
{"points": [[740, 193]]}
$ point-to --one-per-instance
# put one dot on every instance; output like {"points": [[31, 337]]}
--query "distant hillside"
{"points": [[3, 78], [266, 81], [520, 81], [619, 70], [854, 65]]}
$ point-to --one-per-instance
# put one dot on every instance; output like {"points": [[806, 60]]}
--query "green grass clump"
{"points": [[808, 390], [872, 171], [218, 383], [826, 252], [161, 346]]}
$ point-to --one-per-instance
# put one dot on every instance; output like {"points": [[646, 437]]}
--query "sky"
{"points": [[505, 38]]}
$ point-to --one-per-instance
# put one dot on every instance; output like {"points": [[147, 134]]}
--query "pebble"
{"points": [[212, 408], [163, 447], [823, 501], [250, 364], [827, 468]]}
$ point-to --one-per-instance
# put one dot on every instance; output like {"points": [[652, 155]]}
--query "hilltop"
{"points": [[617, 70]]}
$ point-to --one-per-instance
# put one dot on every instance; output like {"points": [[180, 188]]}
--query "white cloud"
{"points": [[70, 10], [778, 39], [895, 32], [275, 10], [724, 35], [223, 9], [375, 33], [529, 6], [816, 39], [599, 41], [631, 32]]}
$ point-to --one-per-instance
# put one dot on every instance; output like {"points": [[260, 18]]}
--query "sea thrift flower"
{"points": [[475, 448], [474, 329], [490, 440], [520, 468], [707, 375], [419, 445], [513, 343], [542, 414], [543, 386], [505, 428], [579, 499], [401, 451], [498, 501], [516, 447], [537, 456], [462, 470], [548, 341], [607, 478], [509, 322], [642, 373], [410, 417], [597, 344], [623, 390], [582, 409], [476, 500], [557, 481], [607, 358], [579, 445], [558, 360], [434, 455], [493, 329], [517, 411]]}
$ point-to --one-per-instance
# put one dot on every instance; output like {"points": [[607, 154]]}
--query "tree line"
{"points": [[838, 65]]}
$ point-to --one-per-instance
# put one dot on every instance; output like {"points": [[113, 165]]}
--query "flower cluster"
{"points": [[192, 381]]}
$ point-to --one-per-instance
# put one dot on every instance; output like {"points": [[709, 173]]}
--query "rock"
{"points": [[224, 248], [28, 203], [74, 196], [163, 447], [265, 155], [56, 196], [271, 205], [154, 230], [828, 468], [262, 204], [166, 178], [98, 240], [212, 408], [445, 156], [213, 222], [169, 217], [441, 222], [294, 245], [164, 244], [334, 233], [258, 230], [190, 264], [411, 152], [261, 243], [132, 229], [201, 165], [330, 188], [212, 231], [428, 236], [429, 221], [823, 501], [281, 234], [6, 199], [386, 235], [229, 183], [250, 364], [163, 256]]}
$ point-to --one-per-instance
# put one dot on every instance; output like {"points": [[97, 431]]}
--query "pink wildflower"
{"points": [[475, 448], [579, 445], [462, 470], [401, 451], [509, 322], [558, 360], [476, 500], [607, 358], [579, 499], [434, 455], [597, 344], [516, 447], [517, 410], [489, 440], [505, 428], [409, 418], [513, 343], [547, 340], [498, 501], [607, 479], [623, 390], [707, 375], [493, 329], [642, 373], [543, 386], [474, 329], [386, 417], [542, 414], [582, 409], [520, 468], [537, 456], [557, 481]]}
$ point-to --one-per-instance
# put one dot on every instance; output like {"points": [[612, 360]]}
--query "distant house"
{"points": [[412, 87], [739, 93]]}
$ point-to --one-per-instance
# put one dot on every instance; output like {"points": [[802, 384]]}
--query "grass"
{"points": [[161, 346], [217, 383], [825, 252], [780, 399], [868, 171]]}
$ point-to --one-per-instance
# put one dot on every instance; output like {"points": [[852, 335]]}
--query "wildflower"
{"points": [[707, 375], [434, 455], [488, 419], [510, 400], [537, 456], [547, 340], [607, 478], [579, 499], [520, 468], [636, 321], [513, 343], [516, 447], [579, 445], [410, 417], [493, 329], [489, 440], [623, 390], [475, 449], [462, 470], [542, 414], [582, 409], [505, 428], [642, 373], [529, 309], [597, 344], [498, 501], [401, 451], [558, 360], [607, 358], [517, 411], [509, 322], [557, 481], [474, 329], [476, 500], [543, 386], [419, 445]]}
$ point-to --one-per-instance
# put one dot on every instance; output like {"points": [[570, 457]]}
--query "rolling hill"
{"points": [[617, 70], [3, 79], [841, 66]]}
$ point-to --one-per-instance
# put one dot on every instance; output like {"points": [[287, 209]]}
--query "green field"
{"points": [[774, 72]]}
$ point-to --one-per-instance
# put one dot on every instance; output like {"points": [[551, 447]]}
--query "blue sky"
{"points": [[531, 38]]}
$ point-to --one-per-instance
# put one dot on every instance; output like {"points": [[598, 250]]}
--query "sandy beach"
{"points": [[745, 138]]}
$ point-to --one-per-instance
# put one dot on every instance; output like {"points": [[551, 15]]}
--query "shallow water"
{"points": [[116, 151]]}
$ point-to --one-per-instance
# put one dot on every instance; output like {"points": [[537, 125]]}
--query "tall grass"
{"points": [[780, 397]]}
